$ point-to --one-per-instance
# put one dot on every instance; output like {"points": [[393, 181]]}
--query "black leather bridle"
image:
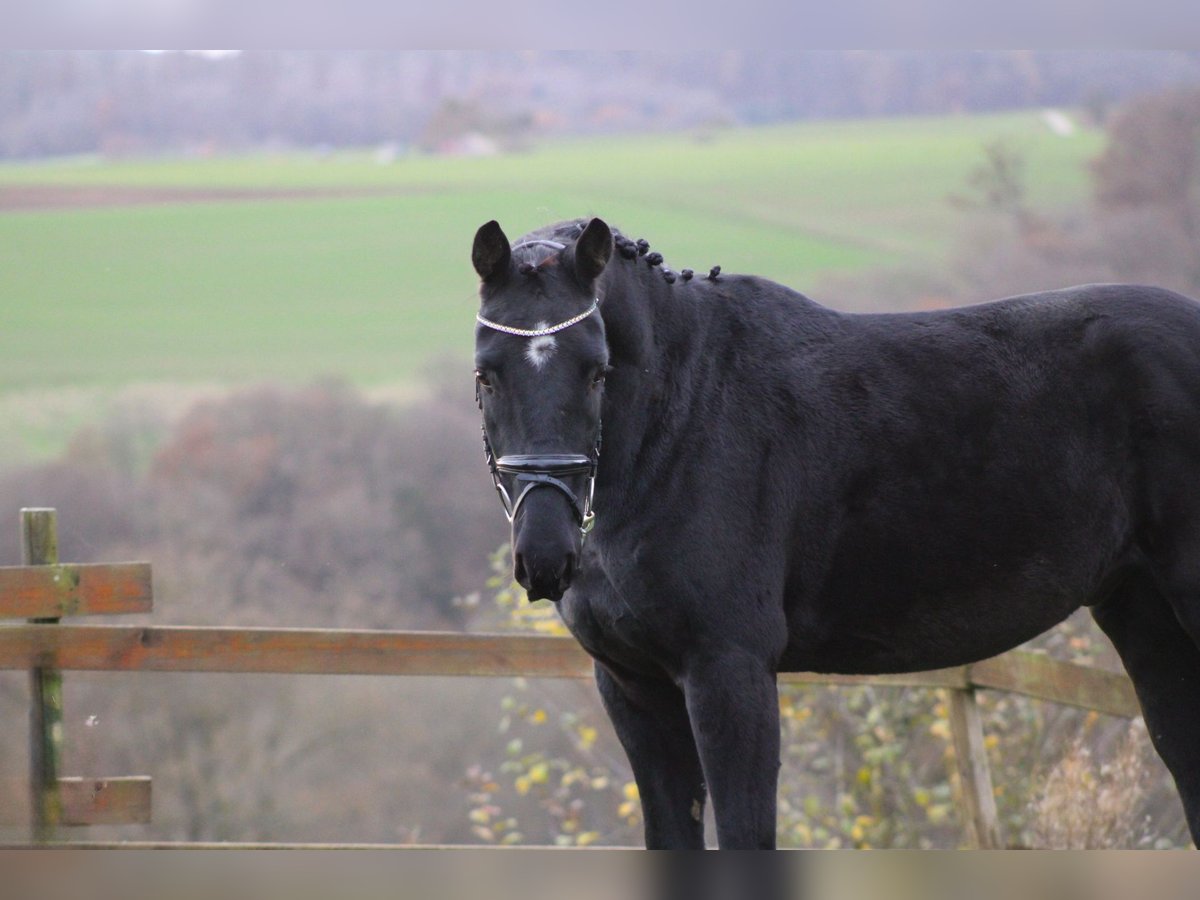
{"points": [[535, 470], [543, 469]]}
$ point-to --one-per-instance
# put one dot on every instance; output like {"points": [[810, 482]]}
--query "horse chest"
{"points": [[611, 633], [625, 622]]}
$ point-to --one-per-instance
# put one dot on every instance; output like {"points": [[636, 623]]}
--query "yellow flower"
{"points": [[588, 837], [630, 790], [539, 774]]}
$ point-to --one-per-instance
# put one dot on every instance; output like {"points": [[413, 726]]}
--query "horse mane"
{"points": [[533, 254]]}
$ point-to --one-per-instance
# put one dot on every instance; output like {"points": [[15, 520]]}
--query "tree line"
{"points": [[132, 103]]}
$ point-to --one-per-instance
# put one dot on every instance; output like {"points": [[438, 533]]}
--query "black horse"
{"points": [[782, 487]]}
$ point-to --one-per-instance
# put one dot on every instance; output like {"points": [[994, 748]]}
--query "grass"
{"points": [[371, 285]]}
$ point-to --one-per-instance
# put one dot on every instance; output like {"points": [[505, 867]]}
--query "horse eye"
{"points": [[599, 375], [482, 379]]}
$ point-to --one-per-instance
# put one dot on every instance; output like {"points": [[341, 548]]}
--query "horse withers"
{"points": [[717, 479]]}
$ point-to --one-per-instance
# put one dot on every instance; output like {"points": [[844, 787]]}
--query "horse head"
{"points": [[540, 363]]}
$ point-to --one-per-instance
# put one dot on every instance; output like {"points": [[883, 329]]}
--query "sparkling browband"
{"points": [[539, 332]]}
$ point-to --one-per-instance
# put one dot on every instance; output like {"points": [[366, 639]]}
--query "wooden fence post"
{"points": [[39, 547], [979, 798]]}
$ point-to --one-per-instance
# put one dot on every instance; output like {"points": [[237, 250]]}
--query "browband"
{"points": [[539, 332]]}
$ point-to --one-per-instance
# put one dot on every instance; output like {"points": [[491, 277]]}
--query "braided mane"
{"points": [[533, 253]]}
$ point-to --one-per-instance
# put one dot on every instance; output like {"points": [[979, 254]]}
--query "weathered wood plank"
{"points": [[39, 547], [316, 651], [32, 851], [975, 775], [1037, 675], [290, 651], [938, 678], [106, 801], [52, 591], [93, 801], [345, 652]]}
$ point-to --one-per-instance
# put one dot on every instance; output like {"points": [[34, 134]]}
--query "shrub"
{"points": [[300, 499], [1087, 805]]}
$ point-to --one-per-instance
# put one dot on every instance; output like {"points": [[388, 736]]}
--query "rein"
{"points": [[542, 469]]}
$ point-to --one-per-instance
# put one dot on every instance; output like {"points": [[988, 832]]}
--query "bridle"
{"points": [[544, 469], [536, 470]]}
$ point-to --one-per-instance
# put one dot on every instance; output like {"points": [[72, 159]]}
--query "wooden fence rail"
{"points": [[312, 651], [42, 646]]}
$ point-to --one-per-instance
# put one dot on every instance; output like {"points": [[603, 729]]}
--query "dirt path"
{"points": [[15, 198]]}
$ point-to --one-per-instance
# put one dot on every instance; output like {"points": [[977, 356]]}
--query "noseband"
{"points": [[535, 470]]}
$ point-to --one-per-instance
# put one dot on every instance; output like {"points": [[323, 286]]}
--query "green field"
{"points": [[372, 279]]}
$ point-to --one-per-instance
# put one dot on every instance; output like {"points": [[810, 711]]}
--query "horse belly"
{"points": [[956, 581], [923, 637]]}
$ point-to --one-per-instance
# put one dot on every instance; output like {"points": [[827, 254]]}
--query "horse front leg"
{"points": [[651, 721], [733, 704]]}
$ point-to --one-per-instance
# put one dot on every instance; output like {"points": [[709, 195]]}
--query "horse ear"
{"points": [[593, 250], [491, 253]]}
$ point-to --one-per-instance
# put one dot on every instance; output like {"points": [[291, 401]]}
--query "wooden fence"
{"points": [[43, 592]]}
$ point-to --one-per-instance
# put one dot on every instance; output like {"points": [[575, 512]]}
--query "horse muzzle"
{"points": [[546, 545]]}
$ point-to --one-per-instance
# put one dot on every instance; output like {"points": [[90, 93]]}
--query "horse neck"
{"points": [[643, 316], [671, 351], [628, 317], [644, 320]]}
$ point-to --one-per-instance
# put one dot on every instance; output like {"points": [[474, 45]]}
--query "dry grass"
{"points": [[1085, 804]]}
